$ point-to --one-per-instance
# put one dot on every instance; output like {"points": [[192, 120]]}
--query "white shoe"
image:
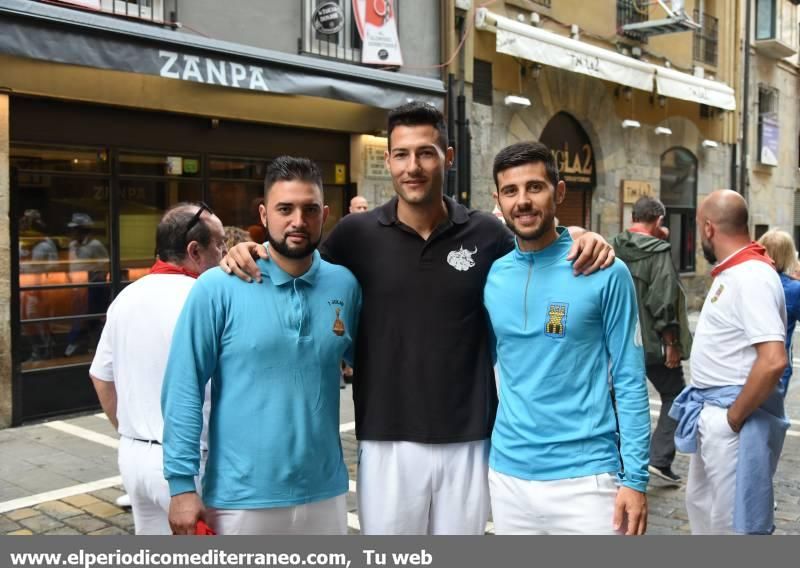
{"points": [[123, 501]]}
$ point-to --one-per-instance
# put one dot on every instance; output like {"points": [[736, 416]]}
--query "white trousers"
{"points": [[416, 489], [327, 517], [142, 468], [580, 505], [711, 485]]}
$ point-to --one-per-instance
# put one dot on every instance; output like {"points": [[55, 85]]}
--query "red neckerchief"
{"points": [[161, 267], [640, 230], [753, 251]]}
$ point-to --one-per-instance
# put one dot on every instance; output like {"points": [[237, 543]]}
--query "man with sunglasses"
{"points": [[128, 367]]}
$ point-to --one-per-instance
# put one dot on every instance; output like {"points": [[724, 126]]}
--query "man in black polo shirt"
{"points": [[425, 398]]}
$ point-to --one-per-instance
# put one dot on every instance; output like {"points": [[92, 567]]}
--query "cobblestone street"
{"points": [[61, 478]]}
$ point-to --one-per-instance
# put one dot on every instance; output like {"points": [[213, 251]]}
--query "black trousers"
{"points": [[669, 383]]}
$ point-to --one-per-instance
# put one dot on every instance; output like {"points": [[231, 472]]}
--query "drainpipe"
{"points": [[745, 158]]}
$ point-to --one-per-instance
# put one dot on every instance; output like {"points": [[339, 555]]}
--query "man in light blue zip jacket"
{"points": [[559, 463]]}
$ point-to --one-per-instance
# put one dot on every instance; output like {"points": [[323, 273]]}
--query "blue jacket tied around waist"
{"points": [[760, 444]]}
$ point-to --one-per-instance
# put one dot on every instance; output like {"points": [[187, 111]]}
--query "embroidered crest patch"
{"points": [[718, 293], [338, 324], [556, 320]]}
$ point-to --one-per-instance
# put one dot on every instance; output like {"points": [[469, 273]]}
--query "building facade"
{"points": [[113, 110], [639, 98]]}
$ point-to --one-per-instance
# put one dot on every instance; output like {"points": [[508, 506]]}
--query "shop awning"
{"points": [[535, 44], [52, 33]]}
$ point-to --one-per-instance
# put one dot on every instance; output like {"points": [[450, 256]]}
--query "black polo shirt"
{"points": [[423, 359]]}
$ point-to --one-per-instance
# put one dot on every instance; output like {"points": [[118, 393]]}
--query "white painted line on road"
{"points": [[84, 433], [352, 487], [100, 415], [352, 521], [347, 427], [38, 499]]}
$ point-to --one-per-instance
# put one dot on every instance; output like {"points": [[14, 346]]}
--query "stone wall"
{"points": [[620, 154], [5, 269]]}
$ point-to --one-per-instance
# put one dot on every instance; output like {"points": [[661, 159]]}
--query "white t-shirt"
{"points": [[745, 306], [134, 348]]}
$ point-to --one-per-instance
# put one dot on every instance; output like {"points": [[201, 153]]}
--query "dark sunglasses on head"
{"points": [[196, 218]]}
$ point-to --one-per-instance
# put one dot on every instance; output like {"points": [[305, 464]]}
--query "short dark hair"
{"points": [[647, 210], [418, 114], [171, 235], [522, 153], [291, 168]]}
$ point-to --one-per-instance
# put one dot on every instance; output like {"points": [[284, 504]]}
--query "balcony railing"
{"points": [[632, 12], [706, 39], [156, 11]]}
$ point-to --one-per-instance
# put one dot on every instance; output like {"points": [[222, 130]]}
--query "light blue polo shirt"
{"points": [[274, 351], [560, 341]]}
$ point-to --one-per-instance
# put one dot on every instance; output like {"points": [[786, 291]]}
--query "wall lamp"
{"points": [[709, 144], [663, 131], [517, 101], [628, 123]]}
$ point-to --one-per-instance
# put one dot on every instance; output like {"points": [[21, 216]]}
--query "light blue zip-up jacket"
{"points": [[274, 351], [560, 341]]}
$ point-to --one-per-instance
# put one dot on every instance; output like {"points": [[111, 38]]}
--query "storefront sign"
{"points": [[174, 166], [769, 136], [632, 190], [375, 163], [328, 18], [179, 56], [572, 150], [377, 25]]}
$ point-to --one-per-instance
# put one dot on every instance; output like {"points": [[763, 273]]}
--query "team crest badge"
{"points": [[338, 324], [718, 293], [556, 321], [461, 259]]}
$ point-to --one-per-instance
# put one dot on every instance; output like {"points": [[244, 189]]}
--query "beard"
{"points": [[708, 251], [532, 234], [294, 252]]}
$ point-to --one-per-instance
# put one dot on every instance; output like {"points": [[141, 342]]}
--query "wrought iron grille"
{"points": [[344, 44], [706, 39], [156, 11], [632, 12]]}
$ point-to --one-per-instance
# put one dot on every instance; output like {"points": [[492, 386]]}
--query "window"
{"points": [[345, 43], [679, 195], [765, 19], [706, 39], [776, 27], [482, 82], [632, 12]]}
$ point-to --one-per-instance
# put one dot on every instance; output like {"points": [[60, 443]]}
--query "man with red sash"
{"points": [[129, 363], [731, 418]]}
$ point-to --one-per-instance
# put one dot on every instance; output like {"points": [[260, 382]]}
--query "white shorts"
{"points": [[142, 469], [410, 488], [711, 486], [322, 517], [580, 505]]}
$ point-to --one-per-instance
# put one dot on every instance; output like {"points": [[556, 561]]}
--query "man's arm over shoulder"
{"points": [[624, 344], [192, 360]]}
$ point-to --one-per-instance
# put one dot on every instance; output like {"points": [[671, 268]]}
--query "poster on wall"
{"points": [[769, 137], [377, 26]]}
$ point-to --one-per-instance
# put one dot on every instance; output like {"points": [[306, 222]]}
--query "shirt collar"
{"points": [[279, 277], [457, 213], [555, 251]]}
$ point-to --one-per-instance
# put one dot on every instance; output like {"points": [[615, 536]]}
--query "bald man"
{"points": [[730, 417], [359, 204]]}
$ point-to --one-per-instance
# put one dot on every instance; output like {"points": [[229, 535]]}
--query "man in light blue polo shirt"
{"points": [[555, 464], [275, 463]]}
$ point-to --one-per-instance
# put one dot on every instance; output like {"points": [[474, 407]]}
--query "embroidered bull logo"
{"points": [[338, 324], [461, 259]]}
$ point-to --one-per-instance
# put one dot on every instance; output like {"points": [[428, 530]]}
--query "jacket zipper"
{"points": [[525, 298]]}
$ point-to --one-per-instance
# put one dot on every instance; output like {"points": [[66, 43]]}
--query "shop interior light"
{"points": [[663, 131], [517, 101], [709, 144], [629, 123]]}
